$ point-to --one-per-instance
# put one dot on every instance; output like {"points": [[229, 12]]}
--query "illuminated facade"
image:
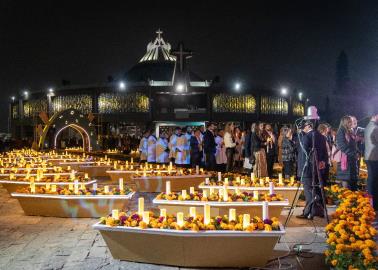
{"points": [[160, 88]]}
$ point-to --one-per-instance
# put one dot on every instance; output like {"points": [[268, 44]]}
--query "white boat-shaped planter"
{"points": [[289, 193], [221, 208], [158, 183], [13, 185], [2, 175], [94, 170], [75, 164], [71, 206], [189, 248], [115, 175]]}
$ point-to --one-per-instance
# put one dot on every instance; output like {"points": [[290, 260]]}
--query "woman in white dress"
{"points": [[220, 154]]}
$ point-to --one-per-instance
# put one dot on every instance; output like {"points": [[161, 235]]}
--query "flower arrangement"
{"points": [[196, 223], [175, 172], [82, 190], [334, 193], [350, 234], [49, 179], [246, 182], [214, 197]]}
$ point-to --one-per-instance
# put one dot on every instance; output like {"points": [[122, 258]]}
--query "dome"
{"points": [[151, 70]]}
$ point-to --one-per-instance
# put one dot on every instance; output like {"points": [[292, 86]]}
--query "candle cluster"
{"points": [[193, 222]]}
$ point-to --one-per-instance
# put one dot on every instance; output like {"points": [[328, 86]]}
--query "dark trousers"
{"points": [[269, 164], [311, 208], [230, 159], [210, 161], [288, 168], [195, 159], [372, 181]]}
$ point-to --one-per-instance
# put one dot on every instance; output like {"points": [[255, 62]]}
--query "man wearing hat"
{"points": [[307, 138]]}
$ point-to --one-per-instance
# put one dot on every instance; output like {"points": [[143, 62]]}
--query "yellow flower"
{"points": [[334, 262]]}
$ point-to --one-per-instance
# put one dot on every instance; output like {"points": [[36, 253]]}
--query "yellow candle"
{"points": [[82, 186], [197, 169], [192, 212], [180, 219], [76, 187], [132, 167], [225, 194], [158, 166], [207, 181], [280, 182], [238, 179], [261, 182], [206, 214], [267, 179], [204, 193], [120, 184], [211, 191], [163, 213], [146, 217], [191, 190], [32, 187], [201, 170], [219, 176], [168, 187], [70, 186], [237, 191], [115, 214], [271, 188], [226, 181], [242, 182], [132, 160], [183, 194], [232, 214], [144, 174], [106, 189], [140, 206], [170, 165], [292, 180], [68, 168], [252, 177], [246, 220], [86, 176], [47, 186], [53, 188], [265, 211], [255, 195]]}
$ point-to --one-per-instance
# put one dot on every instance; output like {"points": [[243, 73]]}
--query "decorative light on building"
{"points": [[284, 91], [237, 86], [26, 94], [122, 86], [300, 95], [13, 98], [180, 87], [51, 90]]}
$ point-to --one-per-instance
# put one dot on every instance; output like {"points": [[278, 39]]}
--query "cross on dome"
{"points": [[158, 49]]}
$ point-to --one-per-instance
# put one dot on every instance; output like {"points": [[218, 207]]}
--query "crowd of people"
{"points": [[307, 151]]}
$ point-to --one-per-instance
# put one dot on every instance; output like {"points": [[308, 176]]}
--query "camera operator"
{"points": [[310, 139]]}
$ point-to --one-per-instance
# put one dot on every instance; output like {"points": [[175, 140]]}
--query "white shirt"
{"points": [[228, 143]]}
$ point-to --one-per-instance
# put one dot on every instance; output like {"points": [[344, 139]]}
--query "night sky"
{"points": [[288, 44]]}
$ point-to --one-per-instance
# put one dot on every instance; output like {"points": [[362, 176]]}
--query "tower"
{"points": [[342, 74]]}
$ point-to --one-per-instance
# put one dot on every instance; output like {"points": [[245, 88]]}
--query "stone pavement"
{"points": [[31, 242]]}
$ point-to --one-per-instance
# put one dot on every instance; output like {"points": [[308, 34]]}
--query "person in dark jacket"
{"points": [[271, 148], [209, 147], [196, 149], [288, 152], [257, 151], [310, 139], [347, 170]]}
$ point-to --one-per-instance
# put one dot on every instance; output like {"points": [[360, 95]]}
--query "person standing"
{"points": [[143, 147], [220, 155], [271, 152], [288, 152], [196, 149], [230, 145], [324, 130], [310, 139], [162, 150], [371, 158], [209, 147], [239, 140], [347, 169], [182, 158], [151, 148], [172, 144], [188, 134], [257, 148]]}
